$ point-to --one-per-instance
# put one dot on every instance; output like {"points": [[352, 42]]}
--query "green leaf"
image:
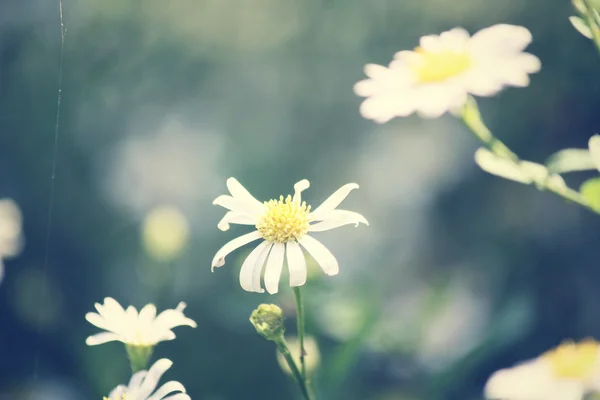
{"points": [[590, 190], [569, 160], [581, 26]]}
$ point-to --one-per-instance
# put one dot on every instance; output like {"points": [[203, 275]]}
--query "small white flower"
{"points": [[523, 171], [11, 241], [283, 225], [439, 74], [131, 328], [565, 373], [143, 383]]}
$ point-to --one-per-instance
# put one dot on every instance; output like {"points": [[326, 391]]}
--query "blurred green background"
{"points": [[459, 274]]}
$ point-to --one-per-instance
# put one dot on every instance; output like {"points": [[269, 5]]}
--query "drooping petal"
{"points": [[248, 266], [299, 188], [594, 145], [274, 266], [219, 258], [332, 202], [258, 267], [296, 264], [337, 218], [152, 378], [101, 338], [169, 387], [239, 192], [321, 254], [169, 319], [232, 217]]}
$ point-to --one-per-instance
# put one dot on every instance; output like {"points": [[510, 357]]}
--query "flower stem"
{"points": [[471, 117], [285, 351], [301, 328]]}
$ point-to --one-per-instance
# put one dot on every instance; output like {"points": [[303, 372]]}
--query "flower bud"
{"points": [[268, 321]]}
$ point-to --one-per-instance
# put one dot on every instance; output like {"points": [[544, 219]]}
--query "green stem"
{"points": [[285, 351], [472, 119], [138, 356], [301, 328]]}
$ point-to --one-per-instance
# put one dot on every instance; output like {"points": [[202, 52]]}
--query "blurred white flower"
{"points": [[567, 372], [176, 165], [439, 74], [165, 232], [522, 171], [283, 225], [131, 328], [142, 385], [11, 241]]}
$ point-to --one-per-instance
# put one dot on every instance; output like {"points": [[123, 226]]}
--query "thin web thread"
{"points": [[44, 293]]}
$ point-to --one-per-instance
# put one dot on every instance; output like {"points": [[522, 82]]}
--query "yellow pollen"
{"points": [[284, 220], [438, 66], [574, 360]]}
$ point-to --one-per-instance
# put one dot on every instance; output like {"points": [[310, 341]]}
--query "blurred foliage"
{"points": [[458, 275]]}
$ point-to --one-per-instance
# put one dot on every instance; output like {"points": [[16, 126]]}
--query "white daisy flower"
{"points": [[142, 385], [283, 225], [132, 328], [438, 75], [11, 241], [567, 372]]}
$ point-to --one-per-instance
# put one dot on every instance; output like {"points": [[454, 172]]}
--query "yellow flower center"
{"points": [[438, 66], [574, 360], [284, 221]]}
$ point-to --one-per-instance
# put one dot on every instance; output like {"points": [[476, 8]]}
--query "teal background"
{"points": [[459, 273]]}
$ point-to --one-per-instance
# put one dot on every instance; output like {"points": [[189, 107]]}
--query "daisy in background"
{"points": [[11, 241], [140, 332], [437, 76], [283, 226], [568, 372], [143, 383]]}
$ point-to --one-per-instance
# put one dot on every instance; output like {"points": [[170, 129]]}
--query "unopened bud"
{"points": [[268, 321]]}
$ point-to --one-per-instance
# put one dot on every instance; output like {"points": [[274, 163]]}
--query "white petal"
{"points": [[169, 387], [147, 314], [169, 319], [274, 266], [219, 258], [594, 145], [112, 309], [337, 218], [528, 381], [153, 376], [136, 380], [118, 392], [321, 255], [296, 264], [248, 266], [98, 321], [502, 167], [239, 206], [454, 39], [299, 188], [258, 267], [178, 396], [375, 71], [501, 39], [101, 338], [333, 201], [239, 192], [232, 217]]}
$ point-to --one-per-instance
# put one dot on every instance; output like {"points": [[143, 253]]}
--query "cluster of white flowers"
{"points": [[140, 331]]}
